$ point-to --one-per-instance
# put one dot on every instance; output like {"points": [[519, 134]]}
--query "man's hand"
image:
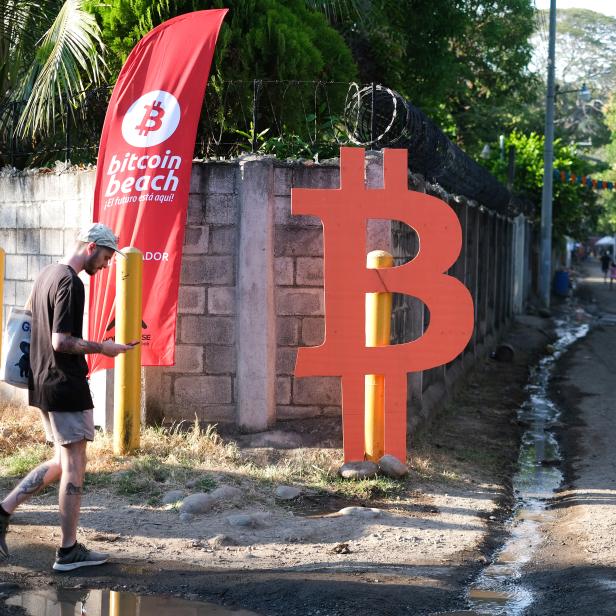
{"points": [[111, 349]]}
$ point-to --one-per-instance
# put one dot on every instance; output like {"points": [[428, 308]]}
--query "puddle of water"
{"points": [[81, 602], [497, 591]]}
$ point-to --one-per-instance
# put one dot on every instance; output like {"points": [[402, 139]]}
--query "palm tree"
{"points": [[50, 52]]}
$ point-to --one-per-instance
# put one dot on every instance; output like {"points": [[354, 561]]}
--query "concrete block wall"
{"points": [[251, 287]]}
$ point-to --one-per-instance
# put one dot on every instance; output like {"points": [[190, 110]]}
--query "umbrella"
{"points": [[606, 240]]}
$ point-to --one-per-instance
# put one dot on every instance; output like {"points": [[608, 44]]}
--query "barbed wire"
{"points": [[290, 119]]}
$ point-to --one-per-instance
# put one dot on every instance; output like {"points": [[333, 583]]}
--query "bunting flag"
{"points": [[143, 173], [584, 180]]}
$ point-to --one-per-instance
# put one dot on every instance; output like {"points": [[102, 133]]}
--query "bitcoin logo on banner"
{"points": [[345, 213], [151, 119]]}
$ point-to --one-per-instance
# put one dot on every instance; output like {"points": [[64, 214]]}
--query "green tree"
{"points": [[50, 52], [576, 208]]}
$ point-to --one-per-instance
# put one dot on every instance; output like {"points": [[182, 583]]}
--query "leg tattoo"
{"points": [[32, 482], [73, 490]]}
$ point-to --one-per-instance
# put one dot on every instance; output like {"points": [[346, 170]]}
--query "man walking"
{"points": [[59, 388]]}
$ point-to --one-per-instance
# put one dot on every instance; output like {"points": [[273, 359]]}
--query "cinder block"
{"points": [[221, 300], [313, 331], [316, 176], [28, 216], [22, 292], [223, 240], [283, 390], [297, 412], [52, 215], [16, 267], [282, 180], [322, 390], [8, 239], [70, 237], [207, 270], [196, 240], [220, 178], [196, 178], [218, 413], [298, 242], [52, 242], [283, 271], [28, 241], [191, 300], [287, 330], [36, 263], [299, 301], [196, 210], [207, 330], [285, 360], [283, 215], [75, 214], [220, 359], [220, 209], [309, 271], [9, 293], [200, 390], [188, 358], [8, 215]]}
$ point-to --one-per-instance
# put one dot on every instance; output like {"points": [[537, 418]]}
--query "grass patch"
{"points": [[23, 460]]}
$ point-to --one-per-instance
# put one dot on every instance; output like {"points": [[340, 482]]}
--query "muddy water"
{"points": [[498, 590], [79, 602]]}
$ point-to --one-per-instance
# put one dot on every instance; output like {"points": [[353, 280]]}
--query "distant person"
{"points": [[605, 259], [59, 388]]}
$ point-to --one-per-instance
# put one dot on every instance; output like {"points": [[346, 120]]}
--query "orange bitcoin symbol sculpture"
{"points": [[345, 213]]}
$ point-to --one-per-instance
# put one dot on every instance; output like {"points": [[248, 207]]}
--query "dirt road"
{"points": [[574, 572], [414, 557]]}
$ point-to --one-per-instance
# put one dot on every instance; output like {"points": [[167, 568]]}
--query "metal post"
{"points": [[67, 155], [256, 87], [127, 386], [378, 333], [372, 118], [545, 266]]}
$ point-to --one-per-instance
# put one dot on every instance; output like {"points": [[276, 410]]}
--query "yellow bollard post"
{"points": [[127, 385], [2, 257], [378, 330], [122, 604]]}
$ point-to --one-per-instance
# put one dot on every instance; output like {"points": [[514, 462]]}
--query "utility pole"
{"points": [[545, 266]]}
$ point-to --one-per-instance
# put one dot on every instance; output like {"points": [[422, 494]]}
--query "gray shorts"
{"points": [[64, 428]]}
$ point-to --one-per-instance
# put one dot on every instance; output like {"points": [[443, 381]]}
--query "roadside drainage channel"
{"points": [[497, 590], [82, 602]]}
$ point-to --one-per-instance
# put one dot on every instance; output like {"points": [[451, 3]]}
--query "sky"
{"points": [[608, 7]]}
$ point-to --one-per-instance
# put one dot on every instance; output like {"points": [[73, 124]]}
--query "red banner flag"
{"points": [[143, 173]]}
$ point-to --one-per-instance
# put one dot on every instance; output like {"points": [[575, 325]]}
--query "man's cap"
{"points": [[101, 235]]}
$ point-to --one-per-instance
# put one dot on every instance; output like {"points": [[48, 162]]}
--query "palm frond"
{"points": [[69, 58]]}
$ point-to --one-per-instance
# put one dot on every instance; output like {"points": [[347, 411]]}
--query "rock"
{"points": [[172, 496], [230, 494], [544, 312], [358, 470], [278, 439], [219, 541], [287, 492], [248, 520], [504, 353], [191, 483], [392, 467], [364, 512], [186, 517], [549, 349], [200, 502]]}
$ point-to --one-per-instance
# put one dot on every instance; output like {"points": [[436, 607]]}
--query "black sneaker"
{"points": [[4, 527], [79, 556]]}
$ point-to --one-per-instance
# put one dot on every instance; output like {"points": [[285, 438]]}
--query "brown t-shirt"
{"points": [[58, 380]]}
